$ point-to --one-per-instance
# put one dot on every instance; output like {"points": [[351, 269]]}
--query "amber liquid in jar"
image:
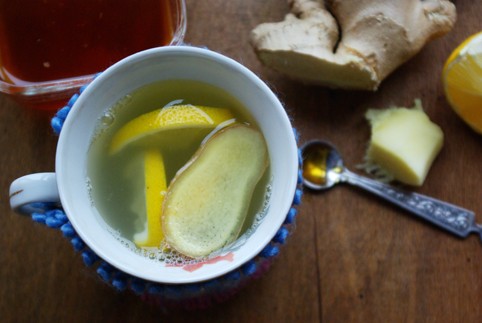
{"points": [[45, 40]]}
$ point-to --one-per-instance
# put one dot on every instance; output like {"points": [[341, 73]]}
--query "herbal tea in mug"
{"points": [[179, 170], [167, 150]]}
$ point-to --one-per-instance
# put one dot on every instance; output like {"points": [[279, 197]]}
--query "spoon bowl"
{"points": [[323, 168], [322, 165]]}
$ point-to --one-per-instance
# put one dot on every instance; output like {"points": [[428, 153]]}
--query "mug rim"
{"points": [[290, 149]]}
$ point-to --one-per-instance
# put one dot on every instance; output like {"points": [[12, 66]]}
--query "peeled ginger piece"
{"points": [[208, 201], [404, 143]]}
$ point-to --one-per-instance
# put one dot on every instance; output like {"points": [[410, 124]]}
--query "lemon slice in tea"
{"points": [[155, 188], [172, 117], [462, 79]]}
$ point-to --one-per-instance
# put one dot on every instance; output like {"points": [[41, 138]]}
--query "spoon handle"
{"points": [[452, 218]]}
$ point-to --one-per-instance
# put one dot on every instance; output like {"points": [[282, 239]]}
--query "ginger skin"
{"points": [[351, 44]]}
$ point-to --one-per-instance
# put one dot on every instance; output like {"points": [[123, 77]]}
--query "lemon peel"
{"points": [[155, 187], [171, 117], [462, 79]]}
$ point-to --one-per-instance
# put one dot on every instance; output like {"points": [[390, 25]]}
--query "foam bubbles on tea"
{"points": [[116, 181], [107, 119]]}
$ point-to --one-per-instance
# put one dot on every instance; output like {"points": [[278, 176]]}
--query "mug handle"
{"points": [[31, 193]]}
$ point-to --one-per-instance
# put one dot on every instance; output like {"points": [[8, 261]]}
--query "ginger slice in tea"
{"points": [[208, 201]]}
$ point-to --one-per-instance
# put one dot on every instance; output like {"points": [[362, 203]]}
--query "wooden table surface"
{"points": [[351, 257]]}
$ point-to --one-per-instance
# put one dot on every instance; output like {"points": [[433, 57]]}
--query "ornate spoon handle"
{"points": [[452, 218]]}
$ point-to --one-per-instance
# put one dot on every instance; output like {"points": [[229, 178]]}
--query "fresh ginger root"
{"points": [[352, 44]]}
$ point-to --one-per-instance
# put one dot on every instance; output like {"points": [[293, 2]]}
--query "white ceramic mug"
{"points": [[68, 184]]}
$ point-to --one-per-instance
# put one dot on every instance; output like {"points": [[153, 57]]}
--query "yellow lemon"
{"points": [[462, 78], [155, 184], [172, 117]]}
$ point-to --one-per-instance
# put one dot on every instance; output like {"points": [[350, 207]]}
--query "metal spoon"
{"points": [[323, 168]]}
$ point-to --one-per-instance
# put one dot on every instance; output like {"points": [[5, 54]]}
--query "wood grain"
{"points": [[351, 257]]}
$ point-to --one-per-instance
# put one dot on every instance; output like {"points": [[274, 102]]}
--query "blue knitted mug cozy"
{"points": [[167, 296]]}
